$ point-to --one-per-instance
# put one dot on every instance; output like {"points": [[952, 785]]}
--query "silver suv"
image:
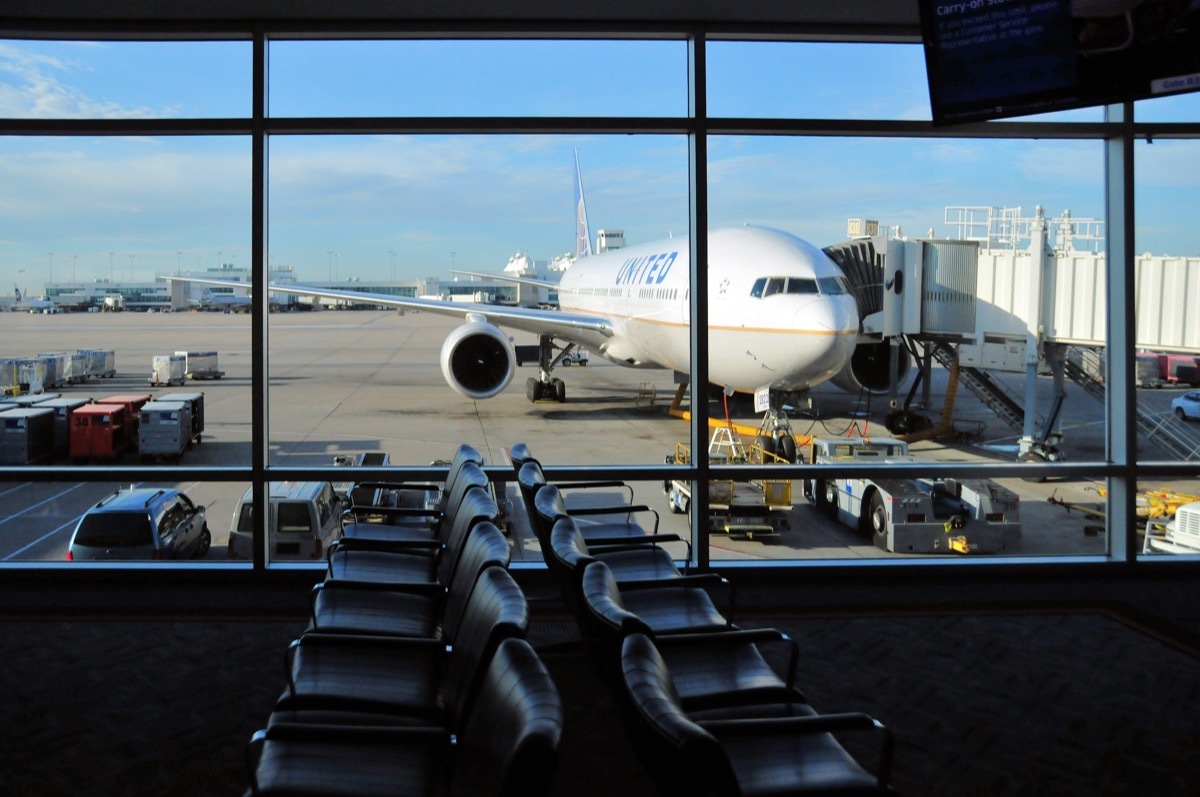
{"points": [[143, 523]]}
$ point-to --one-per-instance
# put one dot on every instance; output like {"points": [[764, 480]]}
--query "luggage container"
{"points": [[133, 404], [200, 364], [9, 376], [27, 400], [26, 435], [164, 430], [99, 432], [63, 408], [72, 366], [102, 363], [195, 402], [168, 369], [54, 369], [35, 374]]}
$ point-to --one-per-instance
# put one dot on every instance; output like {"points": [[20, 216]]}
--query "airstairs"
{"points": [[1085, 367]]}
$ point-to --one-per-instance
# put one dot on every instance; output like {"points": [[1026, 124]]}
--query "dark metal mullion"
{"points": [[698, 327], [258, 319]]}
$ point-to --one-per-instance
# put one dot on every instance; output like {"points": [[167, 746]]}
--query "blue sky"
{"points": [[374, 206]]}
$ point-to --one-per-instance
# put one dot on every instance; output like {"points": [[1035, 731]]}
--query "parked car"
{"points": [[143, 523], [1187, 406], [302, 520]]}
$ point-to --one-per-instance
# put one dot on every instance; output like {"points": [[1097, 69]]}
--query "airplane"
{"points": [[40, 305], [781, 316], [229, 302]]}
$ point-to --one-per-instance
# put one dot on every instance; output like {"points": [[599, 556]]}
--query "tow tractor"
{"points": [[751, 507], [913, 515], [1180, 534]]}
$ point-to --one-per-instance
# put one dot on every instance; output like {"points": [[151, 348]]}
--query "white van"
{"points": [[305, 517]]}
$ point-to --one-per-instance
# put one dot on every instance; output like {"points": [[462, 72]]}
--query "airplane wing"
{"points": [[533, 283], [572, 327]]}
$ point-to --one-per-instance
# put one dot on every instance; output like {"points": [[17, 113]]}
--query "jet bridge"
{"points": [[1019, 295]]}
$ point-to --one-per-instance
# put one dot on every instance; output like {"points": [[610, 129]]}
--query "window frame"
{"points": [[1118, 132]]}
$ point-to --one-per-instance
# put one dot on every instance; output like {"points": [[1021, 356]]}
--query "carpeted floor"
{"points": [[998, 704]]}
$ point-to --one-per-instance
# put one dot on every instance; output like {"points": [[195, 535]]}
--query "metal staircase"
{"points": [[992, 393], [1085, 367]]}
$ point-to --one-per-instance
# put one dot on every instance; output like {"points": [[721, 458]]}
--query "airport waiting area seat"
{"points": [[785, 752], [506, 745]]}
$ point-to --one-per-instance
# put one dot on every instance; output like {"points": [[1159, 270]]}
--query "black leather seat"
{"points": [[374, 523], [390, 560], [428, 609], [599, 524], [741, 756], [506, 745], [370, 679]]}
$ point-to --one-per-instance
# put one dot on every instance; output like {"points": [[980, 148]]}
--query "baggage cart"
{"points": [[99, 432], [164, 430], [26, 435], [168, 369]]}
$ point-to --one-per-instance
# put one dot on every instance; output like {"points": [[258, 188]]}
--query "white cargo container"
{"points": [[35, 374], [72, 366], [102, 363], [200, 364], [168, 369]]}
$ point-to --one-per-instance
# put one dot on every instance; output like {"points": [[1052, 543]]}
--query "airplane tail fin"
{"points": [[17, 289], [583, 235]]}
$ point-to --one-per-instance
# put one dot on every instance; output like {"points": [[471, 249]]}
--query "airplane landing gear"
{"points": [[775, 437], [545, 387]]}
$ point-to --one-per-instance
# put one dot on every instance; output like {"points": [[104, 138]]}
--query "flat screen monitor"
{"points": [[991, 59]]}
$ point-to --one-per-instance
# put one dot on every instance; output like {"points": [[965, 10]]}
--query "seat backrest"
{"points": [[606, 622], [463, 456], [508, 745], [548, 506], [485, 547], [475, 506], [530, 479], [681, 755], [566, 559], [495, 610], [469, 474], [520, 454]]}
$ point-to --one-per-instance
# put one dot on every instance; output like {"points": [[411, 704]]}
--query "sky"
{"points": [[383, 206]]}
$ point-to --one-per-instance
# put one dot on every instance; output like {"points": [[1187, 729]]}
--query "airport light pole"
{"points": [[329, 273], [51, 256], [131, 268]]}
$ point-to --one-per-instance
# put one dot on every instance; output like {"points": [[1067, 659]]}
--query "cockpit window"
{"points": [[801, 285], [833, 286], [768, 286]]}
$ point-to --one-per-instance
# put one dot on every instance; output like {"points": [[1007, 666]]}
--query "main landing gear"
{"points": [[545, 387]]}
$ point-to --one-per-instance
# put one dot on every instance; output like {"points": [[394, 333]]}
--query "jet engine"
{"points": [[869, 368], [478, 359]]}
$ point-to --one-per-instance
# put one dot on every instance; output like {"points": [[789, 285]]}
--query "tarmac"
{"points": [[345, 382]]}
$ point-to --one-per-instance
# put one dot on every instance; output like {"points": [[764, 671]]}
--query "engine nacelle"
{"points": [[869, 368], [478, 359]]}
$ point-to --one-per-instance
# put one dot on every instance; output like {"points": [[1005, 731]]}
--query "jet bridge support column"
{"points": [[1043, 446]]}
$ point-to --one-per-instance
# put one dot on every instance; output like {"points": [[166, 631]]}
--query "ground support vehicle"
{"points": [[921, 515], [1180, 534], [303, 519], [99, 432], [195, 402], [164, 430], [750, 507]]}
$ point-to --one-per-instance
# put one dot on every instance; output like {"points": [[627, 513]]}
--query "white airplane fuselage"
{"points": [[784, 340]]}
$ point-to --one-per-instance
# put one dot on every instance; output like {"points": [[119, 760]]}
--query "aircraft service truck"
{"points": [[913, 515]]}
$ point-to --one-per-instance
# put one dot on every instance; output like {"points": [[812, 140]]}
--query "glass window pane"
{"points": [[478, 78], [124, 80], [85, 523], [1176, 108], [397, 216], [817, 80], [967, 292], [1166, 291]]}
